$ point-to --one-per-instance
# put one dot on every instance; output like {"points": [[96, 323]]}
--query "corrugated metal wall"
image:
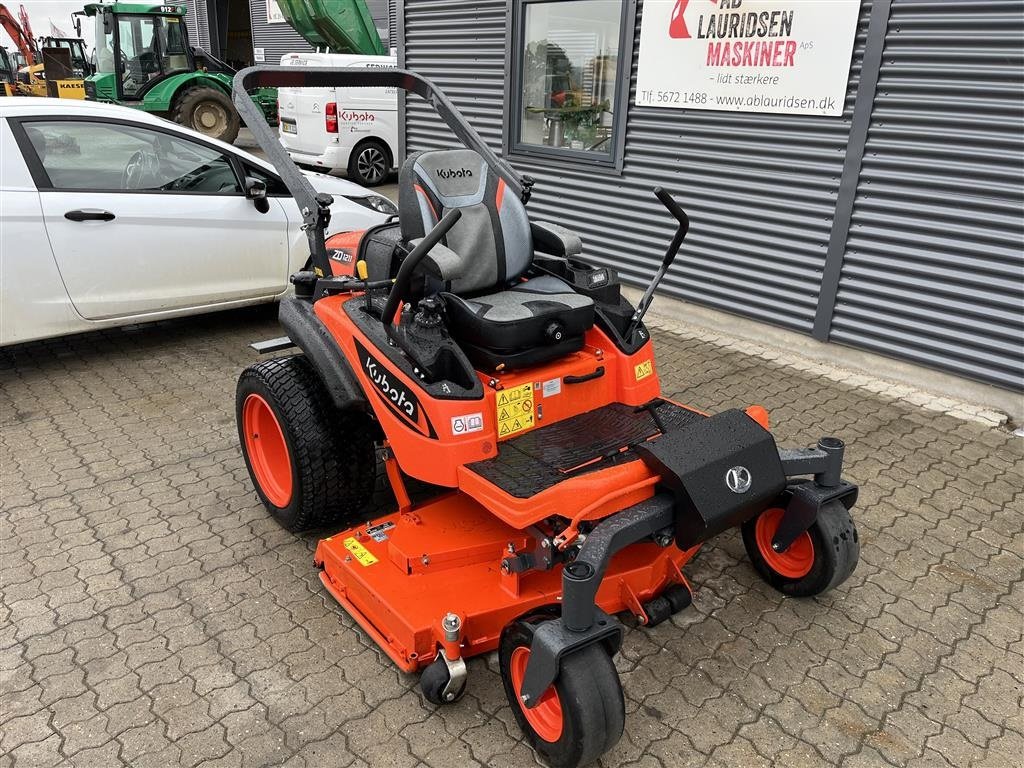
{"points": [[932, 269], [275, 39], [279, 39], [760, 189], [933, 265]]}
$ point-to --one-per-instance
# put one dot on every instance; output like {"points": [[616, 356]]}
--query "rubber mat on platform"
{"points": [[591, 441]]}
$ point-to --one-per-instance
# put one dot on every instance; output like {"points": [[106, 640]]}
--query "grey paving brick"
{"points": [[151, 614]]}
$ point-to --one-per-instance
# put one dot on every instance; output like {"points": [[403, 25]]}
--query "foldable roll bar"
{"points": [[315, 207]]}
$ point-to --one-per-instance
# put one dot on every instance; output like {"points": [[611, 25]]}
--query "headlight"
{"points": [[376, 203]]}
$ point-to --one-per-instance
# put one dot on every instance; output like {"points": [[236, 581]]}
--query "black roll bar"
{"points": [[313, 206]]}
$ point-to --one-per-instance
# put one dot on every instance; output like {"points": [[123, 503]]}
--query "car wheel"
{"points": [[370, 163]]}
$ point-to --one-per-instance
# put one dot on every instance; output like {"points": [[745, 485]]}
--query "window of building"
{"points": [[570, 78]]}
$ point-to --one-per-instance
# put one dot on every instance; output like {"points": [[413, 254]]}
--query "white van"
{"points": [[355, 129]]}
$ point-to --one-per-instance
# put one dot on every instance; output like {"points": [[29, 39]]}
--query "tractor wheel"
{"points": [[821, 558], [312, 465], [369, 163], [581, 715], [209, 111]]}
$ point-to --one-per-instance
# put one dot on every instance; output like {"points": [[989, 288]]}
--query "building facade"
{"points": [[245, 32], [889, 220]]}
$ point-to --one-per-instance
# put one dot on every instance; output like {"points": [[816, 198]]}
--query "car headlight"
{"points": [[377, 203]]}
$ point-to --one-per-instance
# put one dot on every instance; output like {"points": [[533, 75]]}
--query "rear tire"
{"points": [[820, 559], [209, 111], [582, 714], [369, 163], [312, 465]]}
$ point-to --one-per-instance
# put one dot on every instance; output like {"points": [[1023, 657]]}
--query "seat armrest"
{"points": [[556, 240], [442, 262]]}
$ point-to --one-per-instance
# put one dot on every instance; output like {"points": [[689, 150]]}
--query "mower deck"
{"points": [[399, 574]]}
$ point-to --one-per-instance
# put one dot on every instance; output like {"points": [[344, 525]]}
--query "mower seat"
{"points": [[495, 314]]}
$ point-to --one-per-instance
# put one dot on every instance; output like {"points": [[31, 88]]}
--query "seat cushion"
{"points": [[538, 312]]}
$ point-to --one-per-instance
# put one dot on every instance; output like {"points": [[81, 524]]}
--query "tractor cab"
{"points": [[137, 46], [81, 67]]}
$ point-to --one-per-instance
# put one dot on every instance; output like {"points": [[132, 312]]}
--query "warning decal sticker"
{"points": [[643, 370], [514, 409], [359, 552]]}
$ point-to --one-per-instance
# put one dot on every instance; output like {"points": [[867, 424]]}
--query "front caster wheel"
{"points": [[821, 558], [581, 715], [434, 682]]}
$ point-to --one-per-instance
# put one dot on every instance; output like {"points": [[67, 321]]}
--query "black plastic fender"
{"points": [[312, 337]]}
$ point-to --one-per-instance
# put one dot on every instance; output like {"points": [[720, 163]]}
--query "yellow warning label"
{"points": [[514, 409], [643, 370], [359, 552]]}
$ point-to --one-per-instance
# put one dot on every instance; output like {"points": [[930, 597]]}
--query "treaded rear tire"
{"points": [[186, 103], [331, 453]]}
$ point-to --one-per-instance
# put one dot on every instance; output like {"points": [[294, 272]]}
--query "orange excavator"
{"points": [[22, 37]]}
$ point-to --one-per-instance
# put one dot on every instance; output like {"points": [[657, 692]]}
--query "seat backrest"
{"points": [[493, 235]]}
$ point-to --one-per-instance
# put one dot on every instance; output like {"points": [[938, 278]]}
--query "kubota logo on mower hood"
{"points": [[394, 393]]}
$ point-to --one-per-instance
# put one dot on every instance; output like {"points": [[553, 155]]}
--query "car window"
{"points": [[115, 157]]}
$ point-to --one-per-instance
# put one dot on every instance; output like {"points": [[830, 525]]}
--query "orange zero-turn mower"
{"points": [[479, 353]]}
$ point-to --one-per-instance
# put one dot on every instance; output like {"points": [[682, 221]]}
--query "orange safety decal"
{"points": [[514, 409]]}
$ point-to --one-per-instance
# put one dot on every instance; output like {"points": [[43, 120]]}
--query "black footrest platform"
{"points": [[591, 441]]}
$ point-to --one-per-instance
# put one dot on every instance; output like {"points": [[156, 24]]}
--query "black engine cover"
{"points": [[723, 470]]}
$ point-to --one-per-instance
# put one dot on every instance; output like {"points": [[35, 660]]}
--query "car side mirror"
{"points": [[256, 190]]}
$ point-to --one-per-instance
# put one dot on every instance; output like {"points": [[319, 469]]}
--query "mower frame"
{"points": [[661, 508]]}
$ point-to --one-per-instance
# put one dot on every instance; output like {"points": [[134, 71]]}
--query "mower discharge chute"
{"points": [[478, 352]]}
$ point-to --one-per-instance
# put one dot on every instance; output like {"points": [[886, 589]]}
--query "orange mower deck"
{"points": [[398, 575]]}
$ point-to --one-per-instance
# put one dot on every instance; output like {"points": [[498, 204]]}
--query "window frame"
{"points": [[512, 145], [41, 178]]}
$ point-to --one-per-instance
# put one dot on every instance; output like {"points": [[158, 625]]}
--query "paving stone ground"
{"points": [[153, 615]]}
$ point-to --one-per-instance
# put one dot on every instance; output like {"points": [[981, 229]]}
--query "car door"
{"points": [[146, 220]]}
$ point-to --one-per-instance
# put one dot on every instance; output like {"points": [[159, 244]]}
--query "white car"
{"points": [[349, 129], [111, 216]]}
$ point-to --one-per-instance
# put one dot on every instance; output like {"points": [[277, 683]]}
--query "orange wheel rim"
{"points": [[546, 717], [797, 561], [267, 450]]}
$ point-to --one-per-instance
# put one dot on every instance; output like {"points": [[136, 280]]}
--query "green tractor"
{"points": [[143, 60]]}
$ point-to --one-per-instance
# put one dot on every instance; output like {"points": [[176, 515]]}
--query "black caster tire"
{"points": [[433, 681], [582, 714], [369, 163], [312, 465], [820, 559]]}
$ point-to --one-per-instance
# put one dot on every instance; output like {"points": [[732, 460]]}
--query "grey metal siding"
{"points": [[190, 21], [933, 267], [202, 38], [760, 189], [276, 40]]}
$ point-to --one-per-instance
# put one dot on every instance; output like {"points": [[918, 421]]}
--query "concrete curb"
{"points": [[831, 361]]}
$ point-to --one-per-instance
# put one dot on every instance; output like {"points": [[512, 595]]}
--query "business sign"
{"points": [[784, 56], [274, 15]]}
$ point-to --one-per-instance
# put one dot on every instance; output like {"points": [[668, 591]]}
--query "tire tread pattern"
{"points": [[333, 460]]}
